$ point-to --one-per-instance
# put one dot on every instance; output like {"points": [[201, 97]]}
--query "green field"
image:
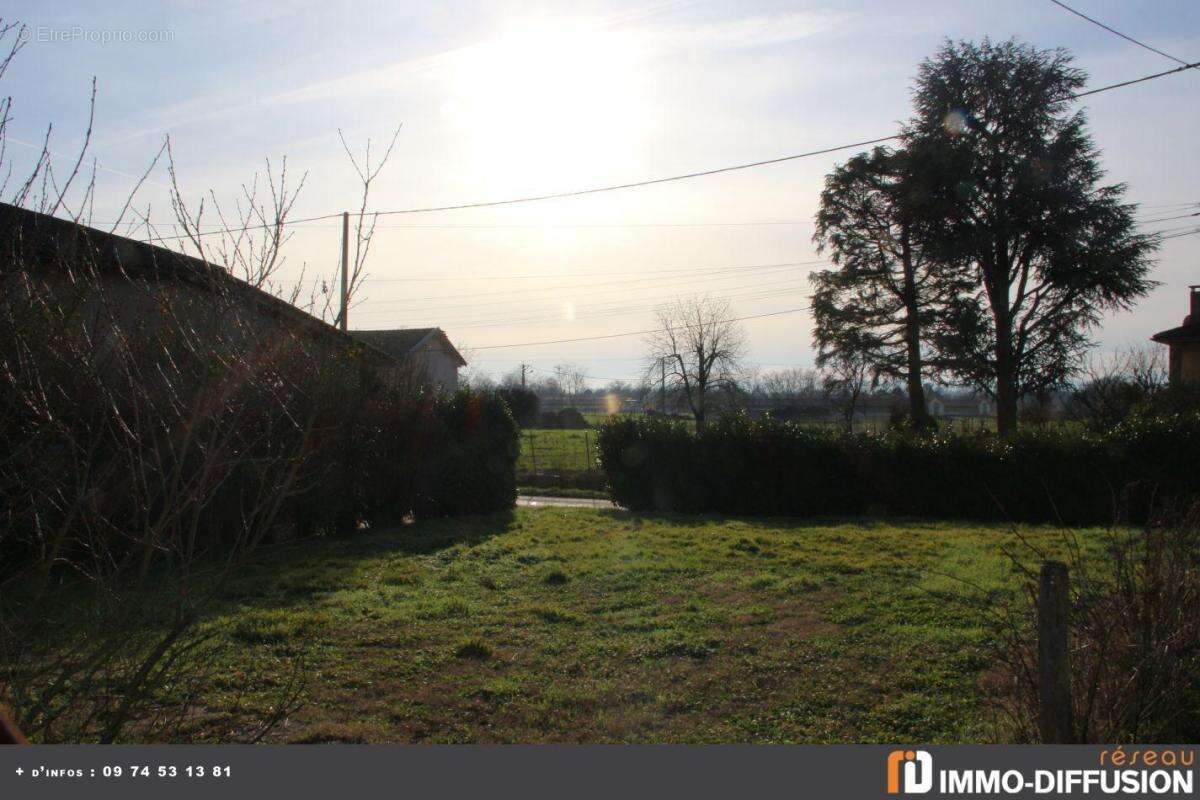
{"points": [[547, 450], [573, 625]]}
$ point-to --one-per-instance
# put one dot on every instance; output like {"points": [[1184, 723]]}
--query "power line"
{"points": [[1173, 229], [733, 168], [560, 276], [308, 225], [629, 333], [1168, 219], [716, 274], [635, 184], [224, 230], [573, 225], [603, 310], [587, 377], [608, 308], [1118, 33], [591, 314], [1170, 205], [654, 181], [1143, 79], [1192, 232]]}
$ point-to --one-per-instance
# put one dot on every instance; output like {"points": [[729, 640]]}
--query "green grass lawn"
{"points": [[574, 625]]}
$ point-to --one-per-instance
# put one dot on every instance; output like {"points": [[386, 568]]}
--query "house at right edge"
{"points": [[1184, 343]]}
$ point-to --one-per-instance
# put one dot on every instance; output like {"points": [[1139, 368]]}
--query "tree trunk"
{"points": [[1006, 374], [697, 404], [917, 410]]}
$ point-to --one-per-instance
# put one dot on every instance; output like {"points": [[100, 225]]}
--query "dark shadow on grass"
{"points": [[290, 573], [429, 536], [415, 538]]}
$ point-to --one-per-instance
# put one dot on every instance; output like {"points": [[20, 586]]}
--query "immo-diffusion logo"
{"points": [[1141, 772], [909, 772]]}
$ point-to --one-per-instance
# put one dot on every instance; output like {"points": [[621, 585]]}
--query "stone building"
{"points": [[1184, 343]]}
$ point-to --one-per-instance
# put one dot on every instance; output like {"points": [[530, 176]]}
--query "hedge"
{"points": [[393, 454], [739, 466]]}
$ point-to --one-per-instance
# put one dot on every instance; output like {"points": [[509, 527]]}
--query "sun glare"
{"points": [[537, 104]]}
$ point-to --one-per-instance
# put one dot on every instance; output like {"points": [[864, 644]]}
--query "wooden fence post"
{"points": [[1054, 677]]}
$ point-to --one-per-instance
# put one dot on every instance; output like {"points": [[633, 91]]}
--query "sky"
{"points": [[498, 100]]}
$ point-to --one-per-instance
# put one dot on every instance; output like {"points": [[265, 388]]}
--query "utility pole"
{"points": [[522, 376], [345, 315]]}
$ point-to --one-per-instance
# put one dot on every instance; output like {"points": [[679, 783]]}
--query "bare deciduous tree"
{"points": [[572, 379], [1115, 384], [793, 383], [364, 230], [700, 345], [145, 456], [248, 240], [846, 378]]}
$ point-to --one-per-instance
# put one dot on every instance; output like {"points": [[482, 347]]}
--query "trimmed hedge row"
{"points": [[738, 466], [394, 454]]}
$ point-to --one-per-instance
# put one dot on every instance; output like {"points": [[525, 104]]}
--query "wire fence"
{"points": [[546, 452]]}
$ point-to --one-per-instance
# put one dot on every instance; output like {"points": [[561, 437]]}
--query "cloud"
{"points": [[224, 105], [742, 33]]}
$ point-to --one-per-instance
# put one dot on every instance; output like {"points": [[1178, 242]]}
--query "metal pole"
{"points": [[345, 315]]}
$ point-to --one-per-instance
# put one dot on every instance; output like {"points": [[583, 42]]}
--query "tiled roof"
{"points": [[58, 242], [1184, 334], [396, 342], [399, 342]]}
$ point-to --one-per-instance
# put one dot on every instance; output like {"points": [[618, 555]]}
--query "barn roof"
{"points": [[400, 342], [52, 242]]}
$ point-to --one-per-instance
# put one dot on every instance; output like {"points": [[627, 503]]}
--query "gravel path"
{"points": [[537, 501]]}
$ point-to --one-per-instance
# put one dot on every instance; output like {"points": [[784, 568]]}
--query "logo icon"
{"points": [[916, 777]]}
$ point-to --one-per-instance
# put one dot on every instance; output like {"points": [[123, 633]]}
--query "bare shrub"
{"points": [[166, 415], [1117, 385], [146, 455], [1134, 637]]}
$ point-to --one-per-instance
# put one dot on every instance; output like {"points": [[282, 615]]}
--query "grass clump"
{"points": [[556, 578], [473, 649]]}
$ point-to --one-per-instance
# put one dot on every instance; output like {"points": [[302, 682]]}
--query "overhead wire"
{"points": [[550, 314], [655, 181], [606, 287], [630, 333], [1118, 33]]}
